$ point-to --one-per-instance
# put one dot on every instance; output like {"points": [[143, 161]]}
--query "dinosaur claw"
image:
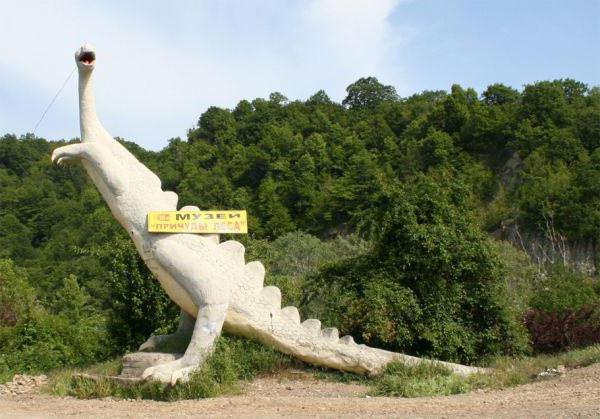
{"points": [[182, 375], [58, 158], [147, 373], [61, 154], [144, 346], [151, 344], [174, 377], [169, 373]]}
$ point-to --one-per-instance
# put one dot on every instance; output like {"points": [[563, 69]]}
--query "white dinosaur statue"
{"points": [[208, 280]]}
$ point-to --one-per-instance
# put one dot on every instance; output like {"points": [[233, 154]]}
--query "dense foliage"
{"points": [[419, 179], [34, 338], [431, 286]]}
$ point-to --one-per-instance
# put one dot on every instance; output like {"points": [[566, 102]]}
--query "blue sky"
{"points": [[161, 64]]}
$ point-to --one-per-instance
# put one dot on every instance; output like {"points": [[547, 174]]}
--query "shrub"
{"points": [[139, 307], [555, 331], [401, 380], [291, 258], [432, 285], [17, 297], [563, 290], [33, 339], [522, 276], [565, 311]]}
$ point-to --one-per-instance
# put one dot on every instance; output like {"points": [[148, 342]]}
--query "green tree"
{"points": [[319, 98], [368, 93], [499, 94], [216, 124], [545, 102], [276, 217]]}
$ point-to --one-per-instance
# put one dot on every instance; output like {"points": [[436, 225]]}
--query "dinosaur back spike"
{"points": [[234, 249], [330, 333], [272, 295], [254, 275], [171, 198], [190, 208], [312, 326], [291, 313], [347, 340], [213, 237]]}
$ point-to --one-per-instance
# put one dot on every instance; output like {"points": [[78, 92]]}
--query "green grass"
{"points": [[435, 380], [237, 360], [508, 372], [234, 360], [400, 380], [62, 381]]}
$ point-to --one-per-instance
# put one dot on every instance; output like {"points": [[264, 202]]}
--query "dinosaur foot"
{"points": [[171, 372]]}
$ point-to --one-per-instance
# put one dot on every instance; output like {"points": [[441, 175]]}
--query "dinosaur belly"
{"points": [[176, 292]]}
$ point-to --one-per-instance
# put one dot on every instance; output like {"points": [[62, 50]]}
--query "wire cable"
{"points": [[54, 99]]}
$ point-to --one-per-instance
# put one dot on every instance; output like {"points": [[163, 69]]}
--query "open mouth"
{"points": [[87, 57]]}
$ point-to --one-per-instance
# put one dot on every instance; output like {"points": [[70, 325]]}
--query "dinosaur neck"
{"points": [[91, 128]]}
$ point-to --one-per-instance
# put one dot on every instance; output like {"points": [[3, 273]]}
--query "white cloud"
{"points": [[356, 28], [159, 67], [356, 39]]}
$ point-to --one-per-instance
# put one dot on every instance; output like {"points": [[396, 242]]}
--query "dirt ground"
{"points": [[576, 394]]}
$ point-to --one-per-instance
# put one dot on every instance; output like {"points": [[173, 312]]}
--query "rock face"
{"points": [[543, 249]]}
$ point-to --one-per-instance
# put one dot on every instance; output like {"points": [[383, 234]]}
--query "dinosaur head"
{"points": [[85, 57]]}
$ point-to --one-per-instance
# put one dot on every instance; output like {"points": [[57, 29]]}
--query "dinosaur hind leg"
{"points": [[199, 284], [175, 342], [206, 330]]}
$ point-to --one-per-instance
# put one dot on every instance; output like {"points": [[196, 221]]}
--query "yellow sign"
{"points": [[209, 222]]}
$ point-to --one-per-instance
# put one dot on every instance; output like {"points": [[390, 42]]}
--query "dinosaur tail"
{"points": [[256, 313]]}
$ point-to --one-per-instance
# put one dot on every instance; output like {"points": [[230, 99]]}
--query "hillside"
{"points": [[523, 165]]}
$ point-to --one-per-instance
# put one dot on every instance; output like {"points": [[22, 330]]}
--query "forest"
{"points": [[385, 216]]}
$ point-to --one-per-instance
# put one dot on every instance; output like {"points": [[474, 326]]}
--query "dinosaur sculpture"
{"points": [[208, 280]]}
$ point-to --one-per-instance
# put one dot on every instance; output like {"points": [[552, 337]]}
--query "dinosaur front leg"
{"points": [[206, 330], [102, 161]]}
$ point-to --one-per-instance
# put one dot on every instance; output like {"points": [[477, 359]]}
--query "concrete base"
{"points": [[134, 364]]}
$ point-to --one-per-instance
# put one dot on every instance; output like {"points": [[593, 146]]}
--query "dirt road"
{"points": [[576, 394]]}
